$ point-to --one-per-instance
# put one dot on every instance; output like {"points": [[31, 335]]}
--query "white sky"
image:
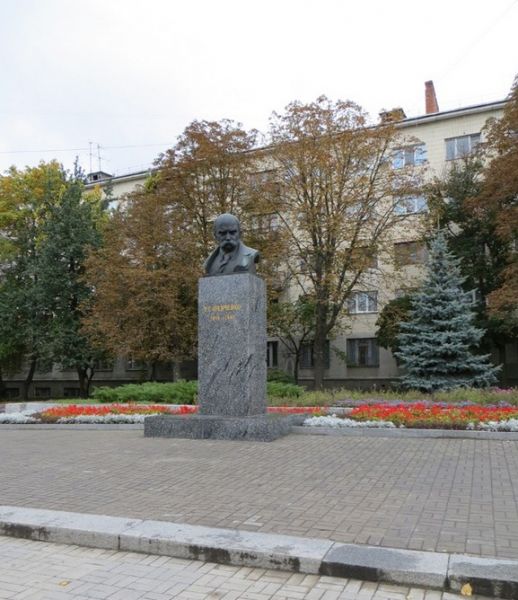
{"points": [[136, 73]]}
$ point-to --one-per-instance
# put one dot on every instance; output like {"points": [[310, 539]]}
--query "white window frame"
{"points": [[410, 156], [363, 302], [410, 205], [454, 147]]}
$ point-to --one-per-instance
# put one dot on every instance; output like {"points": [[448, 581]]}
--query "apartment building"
{"points": [[354, 359]]}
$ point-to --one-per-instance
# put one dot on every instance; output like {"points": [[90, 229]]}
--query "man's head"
{"points": [[226, 232]]}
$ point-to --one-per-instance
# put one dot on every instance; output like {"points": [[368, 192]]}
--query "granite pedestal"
{"points": [[231, 366]]}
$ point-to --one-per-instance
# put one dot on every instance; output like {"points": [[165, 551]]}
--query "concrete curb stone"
{"points": [[437, 570]]}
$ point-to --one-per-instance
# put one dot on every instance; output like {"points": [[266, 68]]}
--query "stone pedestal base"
{"points": [[260, 428]]}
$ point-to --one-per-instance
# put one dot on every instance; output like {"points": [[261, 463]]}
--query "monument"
{"points": [[231, 350]]}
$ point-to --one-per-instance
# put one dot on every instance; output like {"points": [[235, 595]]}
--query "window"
{"points": [[307, 356], [103, 365], [464, 145], [410, 253], [473, 297], [71, 392], [134, 365], [408, 205], [12, 392], [42, 392], [410, 156], [362, 352], [364, 257], [272, 350], [363, 302]]}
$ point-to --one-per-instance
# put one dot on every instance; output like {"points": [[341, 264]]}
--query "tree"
{"points": [[499, 194], [292, 323], [70, 231], [213, 170], [473, 237], [333, 198], [146, 275], [144, 278], [26, 198], [389, 322], [439, 341]]}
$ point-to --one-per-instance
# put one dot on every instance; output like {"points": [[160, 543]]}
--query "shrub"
{"points": [[280, 375], [179, 392], [279, 389]]}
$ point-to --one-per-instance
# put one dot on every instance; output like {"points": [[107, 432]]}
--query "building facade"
{"points": [[431, 141]]}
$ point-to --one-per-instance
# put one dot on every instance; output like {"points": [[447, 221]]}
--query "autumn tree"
{"points": [[474, 238], [214, 169], [333, 198], [144, 278], [394, 313], [499, 194]]}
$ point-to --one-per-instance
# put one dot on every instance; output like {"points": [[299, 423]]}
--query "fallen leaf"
{"points": [[64, 583], [466, 590]]}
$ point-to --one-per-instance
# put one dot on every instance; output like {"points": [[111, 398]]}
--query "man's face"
{"points": [[227, 235]]}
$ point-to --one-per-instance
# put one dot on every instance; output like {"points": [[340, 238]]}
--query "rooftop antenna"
{"points": [[90, 144], [99, 156]]}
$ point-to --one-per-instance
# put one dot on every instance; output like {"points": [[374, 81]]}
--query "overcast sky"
{"points": [[136, 73]]}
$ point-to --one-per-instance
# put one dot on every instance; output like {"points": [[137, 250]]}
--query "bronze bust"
{"points": [[231, 256]]}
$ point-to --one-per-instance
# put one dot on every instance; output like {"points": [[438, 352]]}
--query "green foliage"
{"points": [[347, 397], [179, 392], [439, 341], [474, 224], [280, 375], [279, 389]]}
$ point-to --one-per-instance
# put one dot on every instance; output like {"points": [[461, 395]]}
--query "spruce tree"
{"points": [[439, 341]]}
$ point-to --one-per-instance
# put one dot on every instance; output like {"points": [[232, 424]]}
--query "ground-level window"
{"points": [[133, 364], [42, 392], [307, 356], [272, 351], [71, 392], [362, 352]]}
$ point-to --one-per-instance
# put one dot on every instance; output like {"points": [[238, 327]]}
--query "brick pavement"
{"points": [[40, 571], [444, 495]]}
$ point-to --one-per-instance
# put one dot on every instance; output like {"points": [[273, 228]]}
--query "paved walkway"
{"points": [[40, 571], [443, 495]]}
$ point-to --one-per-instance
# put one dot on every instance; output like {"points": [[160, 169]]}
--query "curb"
{"points": [[443, 571], [458, 434]]}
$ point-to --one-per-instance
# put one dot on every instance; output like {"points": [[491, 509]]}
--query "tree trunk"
{"points": [[296, 366], [2, 385], [28, 379], [151, 370], [84, 376], [319, 347]]}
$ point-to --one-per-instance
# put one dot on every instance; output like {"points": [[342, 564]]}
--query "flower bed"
{"points": [[425, 415], [120, 413], [431, 416]]}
